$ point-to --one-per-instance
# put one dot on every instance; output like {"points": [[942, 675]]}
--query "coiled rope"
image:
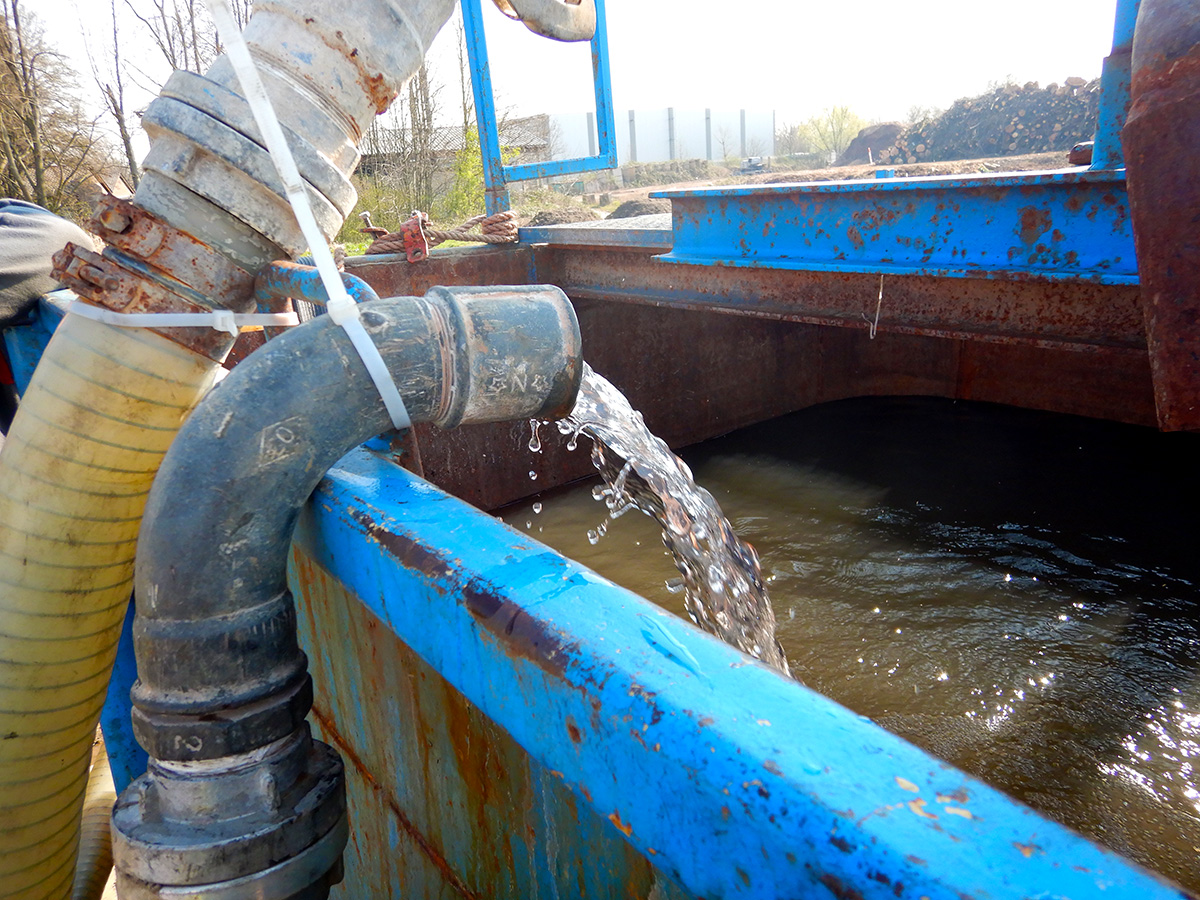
{"points": [[498, 229]]}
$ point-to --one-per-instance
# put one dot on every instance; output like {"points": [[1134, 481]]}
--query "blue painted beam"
{"points": [[1067, 225], [735, 781], [1114, 90]]}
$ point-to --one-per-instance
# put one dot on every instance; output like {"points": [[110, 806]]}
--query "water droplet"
{"points": [[593, 536], [535, 440], [528, 525], [532, 475], [537, 509], [573, 442]]}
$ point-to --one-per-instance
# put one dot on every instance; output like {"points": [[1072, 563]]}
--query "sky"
{"points": [[879, 57]]}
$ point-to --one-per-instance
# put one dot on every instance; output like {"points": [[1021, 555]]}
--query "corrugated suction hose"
{"points": [[105, 402], [77, 467]]}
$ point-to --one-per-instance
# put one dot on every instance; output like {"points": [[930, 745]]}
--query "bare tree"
{"points": [[47, 142], [724, 140], [183, 31], [111, 82], [791, 139], [465, 87]]}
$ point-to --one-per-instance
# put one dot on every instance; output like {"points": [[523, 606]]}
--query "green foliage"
{"points": [[464, 197], [832, 131], [650, 174]]}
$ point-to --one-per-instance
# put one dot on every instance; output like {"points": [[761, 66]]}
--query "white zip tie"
{"points": [[218, 319], [342, 310]]}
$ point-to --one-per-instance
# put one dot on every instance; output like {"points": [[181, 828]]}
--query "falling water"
{"points": [[721, 579]]}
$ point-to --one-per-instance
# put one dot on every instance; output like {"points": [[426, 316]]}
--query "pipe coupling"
{"points": [[267, 824]]}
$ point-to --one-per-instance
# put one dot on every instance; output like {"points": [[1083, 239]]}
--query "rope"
{"points": [[498, 229], [878, 309]]}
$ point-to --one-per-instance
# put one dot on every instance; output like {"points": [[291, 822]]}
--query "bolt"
{"points": [[97, 277], [115, 220]]}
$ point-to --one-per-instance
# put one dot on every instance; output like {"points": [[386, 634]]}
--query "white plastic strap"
{"points": [[342, 309], [218, 319]]}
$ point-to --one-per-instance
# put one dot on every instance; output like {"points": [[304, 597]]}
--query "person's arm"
{"points": [[29, 236]]}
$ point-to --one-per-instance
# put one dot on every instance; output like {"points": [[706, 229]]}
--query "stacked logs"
{"points": [[1007, 120]]}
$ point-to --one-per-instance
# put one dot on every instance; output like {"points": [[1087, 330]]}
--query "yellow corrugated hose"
{"points": [[78, 462], [94, 865]]}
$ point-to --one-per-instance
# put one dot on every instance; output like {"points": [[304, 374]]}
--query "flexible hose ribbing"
{"points": [[94, 865], [100, 412]]}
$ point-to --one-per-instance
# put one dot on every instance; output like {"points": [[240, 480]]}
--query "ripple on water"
{"points": [[987, 583]]}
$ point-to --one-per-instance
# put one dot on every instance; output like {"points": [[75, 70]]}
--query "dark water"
{"points": [[1014, 591]]}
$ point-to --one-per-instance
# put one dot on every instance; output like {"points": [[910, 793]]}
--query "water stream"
{"points": [[1016, 592], [721, 583]]}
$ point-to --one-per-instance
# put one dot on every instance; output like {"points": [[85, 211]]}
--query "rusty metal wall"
{"points": [[702, 351], [443, 802]]}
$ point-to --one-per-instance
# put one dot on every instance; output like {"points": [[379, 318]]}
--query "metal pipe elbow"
{"points": [[223, 686], [560, 20]]}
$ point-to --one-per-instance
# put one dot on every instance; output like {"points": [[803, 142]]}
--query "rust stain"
{"points": [[958, 811], [1027, 850], [773, 767], [1034, 223], [520, 634], [918, 808], [957, 796], [916, 860], [907, 785], [841, 843], [573, 731], [840, 889], [423, 843], [615, 818]]}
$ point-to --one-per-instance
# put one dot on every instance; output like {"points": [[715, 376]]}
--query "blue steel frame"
{"points": [[1114, 90], [1064, 225], [496, 175], [1055, 226]]}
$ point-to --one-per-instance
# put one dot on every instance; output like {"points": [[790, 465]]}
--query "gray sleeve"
{"points": [[29, 236]]}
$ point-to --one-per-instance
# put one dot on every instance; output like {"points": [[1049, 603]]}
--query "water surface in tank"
{"points": [[1014, 591]]}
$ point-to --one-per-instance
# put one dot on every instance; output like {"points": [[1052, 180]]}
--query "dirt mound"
{"points": [[1032, 162], [871, 142], [562, 216], [647, 207], [1008, 119]]}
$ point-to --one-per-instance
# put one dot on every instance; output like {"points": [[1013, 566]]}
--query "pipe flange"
{"points": [[207, 271], [171, 736], [309, 876], [117, 282], [230, 170], [187, 829], [223, 105]]}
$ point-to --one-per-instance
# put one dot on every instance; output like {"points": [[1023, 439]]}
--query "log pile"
{"points": [[1008, 120]]}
